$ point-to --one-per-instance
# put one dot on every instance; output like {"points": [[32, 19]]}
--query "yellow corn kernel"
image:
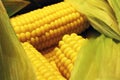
{"points": [[45, 27], [65, 53], [42, 68]]}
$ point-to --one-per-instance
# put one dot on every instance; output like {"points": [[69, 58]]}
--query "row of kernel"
{"points": [[26, 36], [41, 21]]}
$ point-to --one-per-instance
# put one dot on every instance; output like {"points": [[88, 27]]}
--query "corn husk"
{"points": [[84, 67], [14, 64], [100, 15], [14, 6], [115, 4], [108, 61], [100, 60]]}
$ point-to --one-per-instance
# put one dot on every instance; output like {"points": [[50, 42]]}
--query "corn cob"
{"points": [[44, 27], [43, 69], [65, 54]]}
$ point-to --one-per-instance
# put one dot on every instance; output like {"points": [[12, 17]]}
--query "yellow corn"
{"points": [[44, 27], [42, 68], [65, 54]]}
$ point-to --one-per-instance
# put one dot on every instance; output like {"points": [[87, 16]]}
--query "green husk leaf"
{"points": [[94, 70], [85, 61], [118, 60], [14, 64], [99, 60], [115, 4], [99, 11], [14, 6], [106, 65], [107, 30], [108, 62]]}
